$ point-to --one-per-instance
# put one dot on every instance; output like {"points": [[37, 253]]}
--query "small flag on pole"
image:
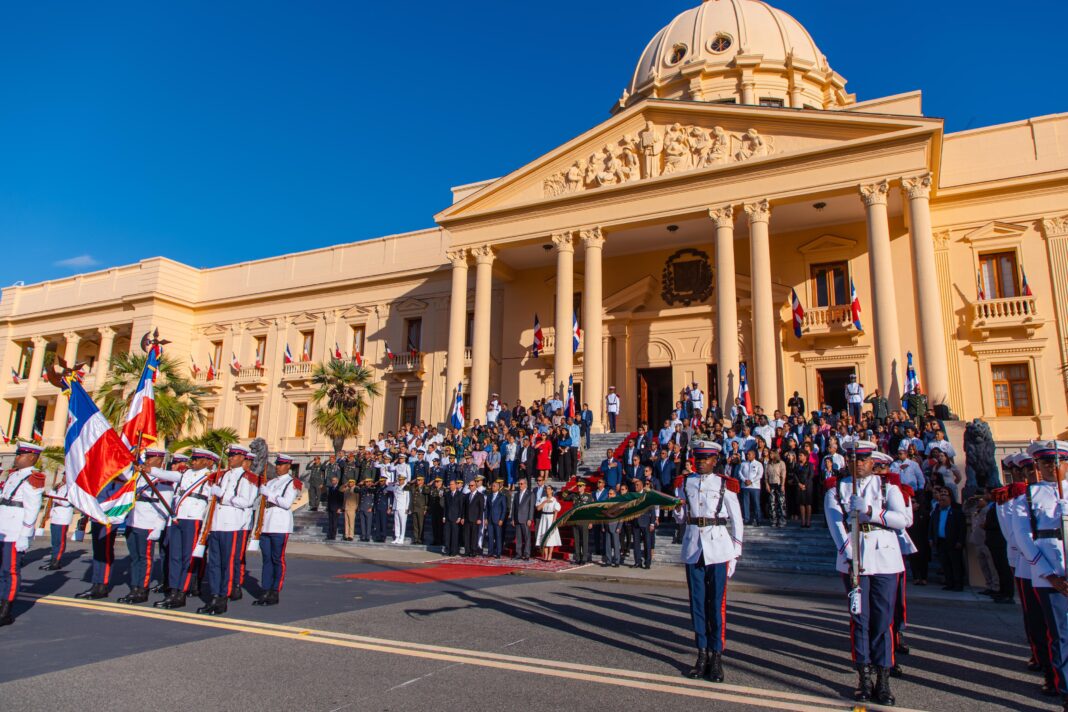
{"points": [[1026, 286], [337, 351], [854, 306], [287, 355], [743, 389], [37, 435], [357, 356], [15, 377], [576, 332], [798, 312], [539, 338], [457, 418], [235, 365], [140, 422], [3, 434], [911, 383], [571, 396], [196, 368], [389, 352], [211, 369], [979, 285]]}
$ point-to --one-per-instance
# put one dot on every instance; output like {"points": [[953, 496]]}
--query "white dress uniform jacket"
{"points": [[62, 512], [280, 492], [1019, 565], [707, 497], [880, 550], [1037, 532], [20, 502], [236, 495], [148, 512], [698, 399], [191, 491]]}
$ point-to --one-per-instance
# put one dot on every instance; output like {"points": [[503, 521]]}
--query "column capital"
{"points": [[759, 211], [875, 193], [72, 336], [484, 254], [458, 257], [1055, 227], [564, 241], [723, 216], [917, 186], [106, 331], [592, 237], [38, 341]]}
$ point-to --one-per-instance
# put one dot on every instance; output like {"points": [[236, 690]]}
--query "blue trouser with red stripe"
{"points": [[708, 604], [140, 547], [245, 534], [273, 550], [872, 631], [1035, 625], [1055, 611], [59, 540], [224, 562], [103, 552], [182, 538], [10, 562]]}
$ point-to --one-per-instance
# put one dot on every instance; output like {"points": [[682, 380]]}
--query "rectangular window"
{"points": [[307, 343], [253, 420], [1012, 389], [209, 418], [830, 284], [216, 355], [15, 422], [413, 335], [469, 331], [302, 420], [999, 274], [769, 101], [261, 351], [408, 409], [359, 335]]}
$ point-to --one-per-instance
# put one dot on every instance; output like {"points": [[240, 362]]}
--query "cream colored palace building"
{"points": [[735, 168]]}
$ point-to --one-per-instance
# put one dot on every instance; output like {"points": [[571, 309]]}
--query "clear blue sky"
{"points": [[217, 132]]}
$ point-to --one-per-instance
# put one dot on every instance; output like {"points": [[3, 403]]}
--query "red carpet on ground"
{"points": [[429, 574]]}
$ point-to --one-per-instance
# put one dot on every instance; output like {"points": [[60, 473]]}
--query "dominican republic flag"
{"points": [[211, 369], [357, 356], [576, 332], [979, 285], [911, 383], [1026, 286], [15, 377], [95, 457], [539, 337], [235, 365], [196, 368], [389, 352], [337, 351], [571, 396], [3, 434], [456, 420], [287, 355], [854, 306], [412, 350], [140, 425], [304, 356], [37, 435], [743, 389], [798, 312]]}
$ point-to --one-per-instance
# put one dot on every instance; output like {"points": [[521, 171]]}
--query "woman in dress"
{"points": [[547, 507], [545, 450]]}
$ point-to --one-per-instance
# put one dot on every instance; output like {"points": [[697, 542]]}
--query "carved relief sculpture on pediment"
{"points": [[654, 152]]}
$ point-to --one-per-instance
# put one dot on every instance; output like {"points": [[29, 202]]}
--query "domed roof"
{"points": [[712, 51]]}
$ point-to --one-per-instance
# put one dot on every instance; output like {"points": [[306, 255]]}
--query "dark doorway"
{"points": [[654, 396], [713, 386], [831, 383]]}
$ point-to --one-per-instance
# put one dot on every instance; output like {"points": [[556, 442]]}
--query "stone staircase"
{"points": [[591, 458]]}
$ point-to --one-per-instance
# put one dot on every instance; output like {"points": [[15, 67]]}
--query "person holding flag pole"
{"points": [[20, 502], [456, 419], [147, 522]]}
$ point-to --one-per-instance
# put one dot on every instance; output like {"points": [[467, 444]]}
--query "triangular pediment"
{"points": [[306, 318], [214, 330], [632, 298], [827, 243], [410, 306], [995, 230], [657, 141], [354, 312]]}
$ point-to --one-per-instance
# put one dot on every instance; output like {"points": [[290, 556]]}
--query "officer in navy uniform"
{"points": [[20, 502], [880, 510], [711, 546], [279, 494], [145, 523], [190, 505], [1038, 529], [234, 496]]}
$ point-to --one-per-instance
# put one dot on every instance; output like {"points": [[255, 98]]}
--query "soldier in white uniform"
{"points": [[146, 523], [192, 490], [234, 496], [711, 546], [402, 498], [881, 513], [612, 408], [20, 503], [882, 467], [697, 397], [1038, 532], [60, 517], [280, 493], [854, 393]]}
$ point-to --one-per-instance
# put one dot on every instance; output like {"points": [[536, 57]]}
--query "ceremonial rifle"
{"points": [[202, 542], [855, 602], [48, 508], [148, 479]]}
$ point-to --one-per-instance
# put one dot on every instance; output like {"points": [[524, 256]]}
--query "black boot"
{"points": [[899, 646], [1064, 699], [863, 691], [194, 588], [136, 595], [5, 613], [714, 673], [699, 667], [50, 566], [217, 607], [174, 599], [269, 598], [97, 591], [896, 671], [1049, 687], [236, 594], [162, 588], [882, 688]]}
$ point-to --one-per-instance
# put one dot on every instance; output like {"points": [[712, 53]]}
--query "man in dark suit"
{"points": [[474, 512], [643, 527], [335, 507], [454, 518], [682, 439], [947, 538], [524, 461], [664, 469], [522, 516], [586, 421], [611, 471], [633, 468], [496, 513]]}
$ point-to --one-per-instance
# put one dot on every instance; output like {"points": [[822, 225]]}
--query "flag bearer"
{"points": [[20, 502], [192, 490], [711, 546], [146, 523], [280, 493], [102, 536], [234, 496]]}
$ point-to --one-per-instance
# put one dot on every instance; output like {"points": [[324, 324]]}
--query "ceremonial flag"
{"points": [[1026, 286], [357, 356], [617, 509], [3, 434], [235, 365], [287, 355], [539, 337], [576, 332], [95, 457], [37, 436], [798, 312], [140, 425], [854, 306], [389, 352], [304, 356], [15, 376], [457, 419], [910, 376], [337, 351], [571, 396], [743, 389], [210, 375], [196, 369], [979, 285]]}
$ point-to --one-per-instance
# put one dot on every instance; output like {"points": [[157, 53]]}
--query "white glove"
{"points": [[848, 551], [22, 544], [1062, 507], [263, 491], [217, 490], [731, 565], [857, 504]]}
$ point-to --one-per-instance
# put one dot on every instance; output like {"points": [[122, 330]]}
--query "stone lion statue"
{"points": [[979, 449]]}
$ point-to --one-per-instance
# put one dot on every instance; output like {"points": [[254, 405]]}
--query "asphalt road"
{"points": [[479, 644]]}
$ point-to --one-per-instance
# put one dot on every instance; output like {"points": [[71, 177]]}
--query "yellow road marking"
{"points": [[652, 682]]}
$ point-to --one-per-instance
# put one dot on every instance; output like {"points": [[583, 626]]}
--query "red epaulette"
{"points": [[830, 483], [893, 478], [297, 484], [678, 481], [254, 479], [906, 492], [36, 479], [733, 485], [1017, 489]]}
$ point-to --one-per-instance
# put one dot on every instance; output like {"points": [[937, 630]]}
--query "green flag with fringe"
{"points": [[615, 509]]}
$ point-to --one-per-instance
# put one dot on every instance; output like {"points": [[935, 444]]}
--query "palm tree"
{"points": [[179, 409], [342, 393], [217, 440]]}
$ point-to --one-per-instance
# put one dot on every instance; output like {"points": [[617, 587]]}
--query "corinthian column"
{"points": [[480, 351], [454, 363], [765, 344], [29, 403], [884, 307], [592, 307], [563, 357], [726, 306], [934, 363]]}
